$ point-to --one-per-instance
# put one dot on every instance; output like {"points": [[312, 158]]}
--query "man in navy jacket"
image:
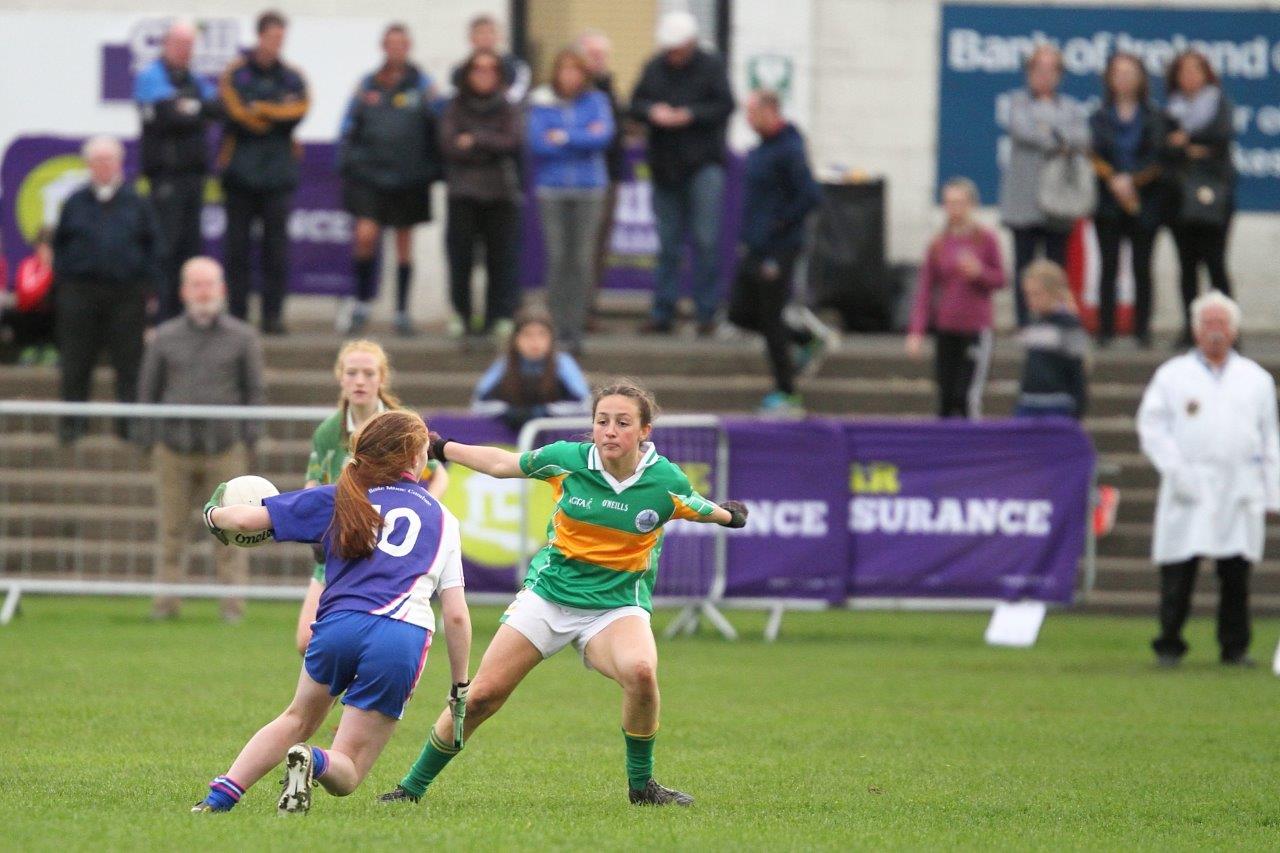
{"points": [[106, 252], [778, 194]]}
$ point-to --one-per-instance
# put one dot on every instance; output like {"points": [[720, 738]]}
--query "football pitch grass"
{"points": [[863, 731]]}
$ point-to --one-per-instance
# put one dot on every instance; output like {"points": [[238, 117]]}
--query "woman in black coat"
{"points": [[1203, 175], [1127, 136]]}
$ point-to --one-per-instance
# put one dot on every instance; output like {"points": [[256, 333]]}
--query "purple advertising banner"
{"points": [[39, 172], [967, 510], [840, 509]]}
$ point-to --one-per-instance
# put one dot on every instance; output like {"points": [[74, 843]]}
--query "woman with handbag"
{"points": [[1044, 126], [1128, 146], [1203, 175]]}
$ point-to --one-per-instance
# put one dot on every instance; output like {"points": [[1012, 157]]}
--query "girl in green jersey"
{"points": [[591, 585]]}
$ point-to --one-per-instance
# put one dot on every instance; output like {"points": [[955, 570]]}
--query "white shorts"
{"points": [[551, 627]]}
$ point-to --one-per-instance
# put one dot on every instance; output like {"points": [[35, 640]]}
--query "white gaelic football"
{"points": [[248, 491]]}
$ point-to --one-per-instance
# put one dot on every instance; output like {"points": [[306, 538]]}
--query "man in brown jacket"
{"points": [[202, 357]]}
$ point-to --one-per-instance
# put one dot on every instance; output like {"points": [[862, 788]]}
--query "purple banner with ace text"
{"points": [[838, 509]]}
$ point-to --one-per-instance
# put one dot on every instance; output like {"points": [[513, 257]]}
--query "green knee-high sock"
{"points": [[435, 755], [639, 758]]}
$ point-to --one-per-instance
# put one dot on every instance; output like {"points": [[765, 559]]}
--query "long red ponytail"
{"points": [[381, 450]]}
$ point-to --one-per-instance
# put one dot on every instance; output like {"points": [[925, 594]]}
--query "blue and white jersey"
{"points": [[419, 551]]}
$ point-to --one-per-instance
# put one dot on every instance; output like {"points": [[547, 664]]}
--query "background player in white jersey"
{"points": [[388, 546]]}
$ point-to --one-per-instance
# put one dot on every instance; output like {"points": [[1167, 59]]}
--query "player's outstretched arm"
{"points": [[493, 461], [241, 519], [730, 514], [237, 519]]}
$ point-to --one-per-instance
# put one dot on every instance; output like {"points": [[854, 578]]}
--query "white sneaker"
{"points": [[296, 798]]}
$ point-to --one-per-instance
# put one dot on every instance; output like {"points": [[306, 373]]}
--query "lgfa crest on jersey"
{"points": [[646, 520]]}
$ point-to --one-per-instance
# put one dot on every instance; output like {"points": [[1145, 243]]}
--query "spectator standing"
{"points": [[684, 98], [264, 100], [484, 34], [570, 128], [30, 315], [961, 270], [176, 107], [203, 357], [779, 192], [534, 379], [1042, 123], [1127, 133], [597, 50], [1056, 345], [481, 137], [1208, 423], [106, 255], [1204, 178], [389, 156]]}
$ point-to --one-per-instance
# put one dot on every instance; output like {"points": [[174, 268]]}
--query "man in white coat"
{"points": [[1208, 424]]}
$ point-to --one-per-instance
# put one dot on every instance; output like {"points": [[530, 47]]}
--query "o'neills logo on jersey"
{"points": [[618, 505], [888, 512]]}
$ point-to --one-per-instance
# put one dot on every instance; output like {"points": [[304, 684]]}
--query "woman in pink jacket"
{"points": [[961, 270]]}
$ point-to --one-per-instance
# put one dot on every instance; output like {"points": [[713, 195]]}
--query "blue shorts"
{"points": [[375, 661]]}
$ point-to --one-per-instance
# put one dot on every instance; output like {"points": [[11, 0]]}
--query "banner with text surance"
{"points": [[967, 510], [982, 48], [838, 509]]}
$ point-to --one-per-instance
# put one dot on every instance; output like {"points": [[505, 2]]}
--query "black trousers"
{"points": [[178, 201], [93, 316], [1028, 244], [1142, 238], [495, 225], [960, 365], [1201, 244], [1178, 580], [272, 210], [756, 304]]}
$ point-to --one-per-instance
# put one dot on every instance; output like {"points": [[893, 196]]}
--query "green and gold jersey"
{"points": [[330, 450], [605, 536]]}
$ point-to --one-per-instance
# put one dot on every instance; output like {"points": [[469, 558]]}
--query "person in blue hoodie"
{"points": [[569, 129], [176, 106], [533, 379], [779, 192]]}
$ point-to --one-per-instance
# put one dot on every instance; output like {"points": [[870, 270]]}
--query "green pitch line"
{"points": [[865, 731]]}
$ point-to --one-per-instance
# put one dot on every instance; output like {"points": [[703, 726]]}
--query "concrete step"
{"points": [[1116, 574], [1142, 603], [1134, 540]]}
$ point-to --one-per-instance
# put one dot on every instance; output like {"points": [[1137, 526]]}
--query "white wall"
{"points": [[875, 107]]}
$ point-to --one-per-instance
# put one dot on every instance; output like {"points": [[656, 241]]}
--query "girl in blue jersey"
{"points": [[388, 546]]}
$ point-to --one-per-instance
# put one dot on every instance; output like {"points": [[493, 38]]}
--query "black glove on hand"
{"points": [[437, 447], [738, 511]]}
